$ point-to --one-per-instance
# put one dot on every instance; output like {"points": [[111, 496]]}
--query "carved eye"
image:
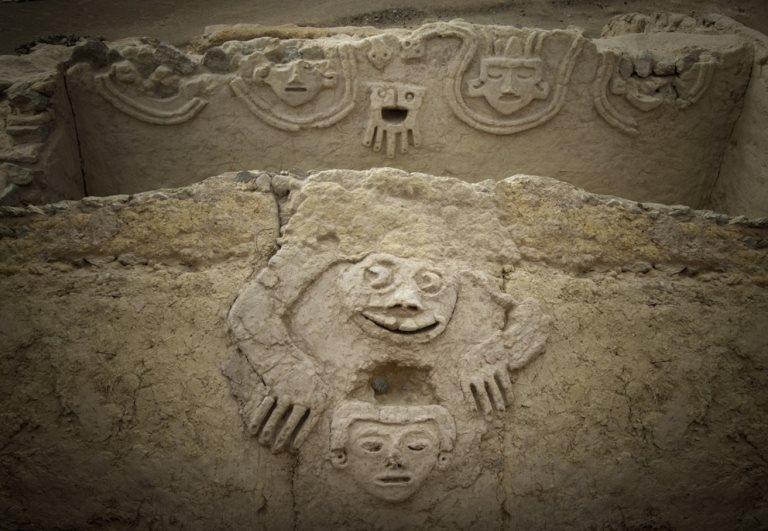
{"points": [[371, 446], [429, 281], [495, 73], [524, 73], [409, 96], [378, 276], [382, 92], [417, 446]]}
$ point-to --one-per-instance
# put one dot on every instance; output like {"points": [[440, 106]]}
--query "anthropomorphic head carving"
{"points": [[297, 82], [390, 450], [400, 299], [512, 79]]}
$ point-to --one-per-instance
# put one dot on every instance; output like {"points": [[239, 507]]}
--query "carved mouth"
{"points": [[295, 89], [510, 97], [393, 481], [414, 324]]}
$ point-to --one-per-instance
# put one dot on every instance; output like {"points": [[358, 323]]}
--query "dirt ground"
{"points": [[22, 21]]}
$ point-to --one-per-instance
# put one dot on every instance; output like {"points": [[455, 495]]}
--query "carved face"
{"points": [[297, 82], [509, 84], [396, 298], [391, 461]]}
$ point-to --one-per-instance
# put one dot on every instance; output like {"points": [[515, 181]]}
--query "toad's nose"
{"points": [[408, 297]]}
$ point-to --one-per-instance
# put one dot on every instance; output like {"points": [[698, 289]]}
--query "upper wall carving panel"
{"points": [[499, 80]]}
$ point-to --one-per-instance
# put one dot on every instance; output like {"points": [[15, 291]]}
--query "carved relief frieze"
{"points": [[156, 84], [393, 117], [504, 81], [404, 307], [288, 89], [390, 451], [381, 50], [647, 83]]}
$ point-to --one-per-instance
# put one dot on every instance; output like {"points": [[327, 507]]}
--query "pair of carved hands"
{"points": [[485, 372], [286, 415]]}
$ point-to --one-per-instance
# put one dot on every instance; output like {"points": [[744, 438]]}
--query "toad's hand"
{"points": [[286, 415], [488, 388]]}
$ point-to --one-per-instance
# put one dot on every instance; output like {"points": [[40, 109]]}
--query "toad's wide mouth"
{"points": [[393, 480], [418, 323]]}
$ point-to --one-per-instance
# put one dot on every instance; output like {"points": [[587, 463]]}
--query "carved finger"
{"points": [[481, 396], [258, 416], [404, 142], [469, 394], [297, 414], [270, 427], [416, 137], [305, 429], [505, 384], [379, 137], [497, 398], [391, 144], [370, 131]]}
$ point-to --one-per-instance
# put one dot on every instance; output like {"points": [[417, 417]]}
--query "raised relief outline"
{"points": [[610, 114], [397, 98], [705, 71], [342, 108], [396, 451], [144, 111], [293, 392], [469, 37], [605, 82]]}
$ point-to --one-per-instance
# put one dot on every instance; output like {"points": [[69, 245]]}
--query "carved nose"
{"points": [[408, 297], [394, 460], [294, 75], [508, 89]]}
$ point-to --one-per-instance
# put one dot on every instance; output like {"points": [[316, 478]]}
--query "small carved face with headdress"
{"points": [[400, 299], [512, 80], [391, 450], [297, 82]]}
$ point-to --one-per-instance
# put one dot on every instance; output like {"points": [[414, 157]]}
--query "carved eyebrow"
{"points": [[419, 432], [370, 433]]}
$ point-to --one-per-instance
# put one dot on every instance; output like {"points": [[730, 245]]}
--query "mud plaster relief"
{"points": [[296, 84], [647, 84], [317, 329], [512, 75], [391, 450], [154, 85], [393, 114]]}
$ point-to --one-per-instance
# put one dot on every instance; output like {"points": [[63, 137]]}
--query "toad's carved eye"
{"points": [[371, 446], [429, 281], [378, 276], [417, 446]]}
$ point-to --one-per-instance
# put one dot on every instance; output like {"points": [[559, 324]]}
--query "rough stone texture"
{"points": [[647, 409], [113, 410], [39, 158]]}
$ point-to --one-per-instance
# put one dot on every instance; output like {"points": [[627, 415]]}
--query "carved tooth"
{"points": [[424, 320], [409, 325], [388, 321]]}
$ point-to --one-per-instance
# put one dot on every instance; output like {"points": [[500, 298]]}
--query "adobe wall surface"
{"points": [[742, 182], [135, 368]]}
